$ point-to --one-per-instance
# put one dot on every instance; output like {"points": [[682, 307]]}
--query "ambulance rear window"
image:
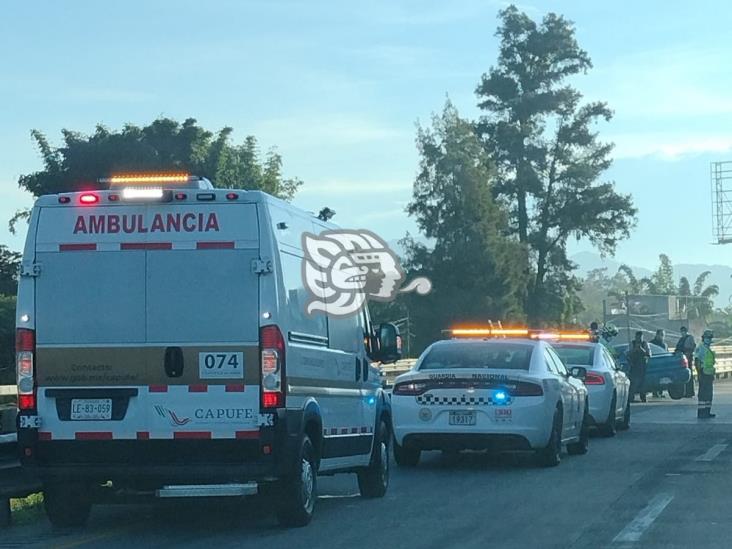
{"points": [[490, 355]]}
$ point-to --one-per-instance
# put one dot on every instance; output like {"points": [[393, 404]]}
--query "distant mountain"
{"points": [[721, 275]]}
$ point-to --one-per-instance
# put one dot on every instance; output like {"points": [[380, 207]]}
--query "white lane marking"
{"points": [[637, 527], [712, 453]]}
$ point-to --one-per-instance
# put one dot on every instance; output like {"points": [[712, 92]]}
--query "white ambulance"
{"points": [[163, 345]]}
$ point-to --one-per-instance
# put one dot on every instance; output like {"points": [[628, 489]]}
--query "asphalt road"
{"points": [[665, 483]]}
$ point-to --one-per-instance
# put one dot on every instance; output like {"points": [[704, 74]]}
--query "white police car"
{"points": [[495, 394], [607, 384]]}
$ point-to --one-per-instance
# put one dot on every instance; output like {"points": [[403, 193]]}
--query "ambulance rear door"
{"points": [[147, 321]]}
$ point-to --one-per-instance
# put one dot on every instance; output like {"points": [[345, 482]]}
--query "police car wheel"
{"points": [[609, 428], [624, 424], [67, 505], [550, 455], [406, 456], [373, 481], [583, 444], [297, 493]]}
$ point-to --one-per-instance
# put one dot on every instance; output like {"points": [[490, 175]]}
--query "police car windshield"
{"points": [[575, 355], [492, 355]]}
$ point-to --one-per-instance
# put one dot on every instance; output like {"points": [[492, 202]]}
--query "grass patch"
{"points": [[27, 509]]}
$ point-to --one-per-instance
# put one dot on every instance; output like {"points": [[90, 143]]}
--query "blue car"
{"points": [[665, 370]]}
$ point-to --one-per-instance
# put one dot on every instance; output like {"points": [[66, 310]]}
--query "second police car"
{"points": [[494, 389]]}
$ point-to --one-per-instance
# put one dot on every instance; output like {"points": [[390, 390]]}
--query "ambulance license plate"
{"points": [[91, 408], [462, 418]]}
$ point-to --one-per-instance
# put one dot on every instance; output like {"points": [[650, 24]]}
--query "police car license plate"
{"points": [[91, 408], [462, 418], [503, 414]]}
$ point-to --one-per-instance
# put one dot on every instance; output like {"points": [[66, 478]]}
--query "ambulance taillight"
{"points": [[272, 363], [25, 348]]}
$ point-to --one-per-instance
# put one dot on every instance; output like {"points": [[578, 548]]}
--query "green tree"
{"points": [[547, 154], [662, 281], [477, 272], [7, 339], [701, 302], [9, 266], [163, 145]]}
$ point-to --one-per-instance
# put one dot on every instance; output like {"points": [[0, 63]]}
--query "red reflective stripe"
{"points": [[158, 388], [44, 435], [76, 247], [214, 245], [143, 435], [236, 388], [146, 246], [192, 434], [247, 434], [197, 388], [100, 435]]}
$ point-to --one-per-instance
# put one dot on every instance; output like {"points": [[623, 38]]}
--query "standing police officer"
{"points": [[704, 360]]}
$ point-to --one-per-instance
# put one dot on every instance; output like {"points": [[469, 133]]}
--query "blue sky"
{"points": [[339, 86]]}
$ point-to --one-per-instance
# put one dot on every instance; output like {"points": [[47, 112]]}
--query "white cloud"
{"points": [[327, 129], [668, 146], [666, 83], [345, 187]]}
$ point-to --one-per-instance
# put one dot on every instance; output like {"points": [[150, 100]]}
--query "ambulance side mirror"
{"points": [[389, 343]]}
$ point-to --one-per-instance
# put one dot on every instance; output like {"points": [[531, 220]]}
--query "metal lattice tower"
{"points": [[721, 178]]}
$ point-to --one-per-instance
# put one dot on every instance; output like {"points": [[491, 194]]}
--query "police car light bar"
{"points": [[489, 332]]}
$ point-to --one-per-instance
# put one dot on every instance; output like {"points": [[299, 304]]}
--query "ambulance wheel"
{"points": [[296, 494], [551, 454], [583, 444], [373, 481], [609, 428], [406, 456], [67, 504], [624, 424]]}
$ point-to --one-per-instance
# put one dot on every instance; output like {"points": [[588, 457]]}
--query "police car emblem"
{"points": [[425, 414]]}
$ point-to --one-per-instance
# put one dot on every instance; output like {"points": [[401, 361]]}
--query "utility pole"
{"points": [[627, 315]]}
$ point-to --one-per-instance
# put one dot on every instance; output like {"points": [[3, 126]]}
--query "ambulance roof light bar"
{"points": [[157, 180]]}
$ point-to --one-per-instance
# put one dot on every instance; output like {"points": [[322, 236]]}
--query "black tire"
{"points": [[624, 424], [296, 494], [551, 454], [373, 481], [581, 447], [609, 428], [406, 456], [67, 505], [676, 392]]}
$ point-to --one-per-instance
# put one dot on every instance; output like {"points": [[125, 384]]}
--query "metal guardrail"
{"points": [[391, 371]]}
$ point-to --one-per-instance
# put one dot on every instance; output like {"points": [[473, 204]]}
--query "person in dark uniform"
{"points": [[638, 355], [685, 346], [659, 340], [704, 360]]}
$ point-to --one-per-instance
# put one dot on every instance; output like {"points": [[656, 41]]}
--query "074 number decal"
{"points": [[221, 365]]}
